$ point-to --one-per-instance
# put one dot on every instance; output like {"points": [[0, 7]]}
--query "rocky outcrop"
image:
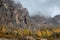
{"points": [[57, 19], [38, 19], [13, 14], [53, 21]]}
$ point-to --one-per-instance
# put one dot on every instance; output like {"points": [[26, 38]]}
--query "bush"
{"points": [[49, 33], [19, 32], [3, 29], [38, 33], [25, 32]]}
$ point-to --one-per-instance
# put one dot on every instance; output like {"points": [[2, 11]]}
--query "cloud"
{"points": [[55, 11], [47, 8]]}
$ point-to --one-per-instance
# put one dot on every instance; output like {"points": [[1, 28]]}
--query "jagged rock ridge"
{"points": [[13, 14], [46, 21], [57, 19]]}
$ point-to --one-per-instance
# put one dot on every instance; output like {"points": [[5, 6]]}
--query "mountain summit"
{"points": [[13, 14]]}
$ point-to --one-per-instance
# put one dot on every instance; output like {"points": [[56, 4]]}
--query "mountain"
{"points": [[57, 19], [13, 14], [46, 21], [54, 21], [38, 19]]}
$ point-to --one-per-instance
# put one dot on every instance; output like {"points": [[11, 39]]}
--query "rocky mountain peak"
{"points": [[57, 19], [13, 14]]}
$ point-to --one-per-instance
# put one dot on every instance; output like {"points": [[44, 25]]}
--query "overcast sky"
{"points": [[48, 8]]}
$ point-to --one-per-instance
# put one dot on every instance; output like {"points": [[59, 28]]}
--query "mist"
{"points": [[46, 8]]}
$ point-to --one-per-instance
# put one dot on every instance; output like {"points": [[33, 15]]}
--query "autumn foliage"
{"points": [[41, 33]]}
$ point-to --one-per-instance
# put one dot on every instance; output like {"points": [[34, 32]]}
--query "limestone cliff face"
{"points": [[13, 14]]}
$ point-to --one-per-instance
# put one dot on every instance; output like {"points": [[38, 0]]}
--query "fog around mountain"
{"points": [[47, 8]]}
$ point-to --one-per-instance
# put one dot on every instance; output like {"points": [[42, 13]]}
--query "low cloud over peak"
{"points": [[48, 8]]}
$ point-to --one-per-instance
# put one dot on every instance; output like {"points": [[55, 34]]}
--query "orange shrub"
{"points": [[43, 33], [56, 30], [38, 33], [4, 29], [49, 33]]}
